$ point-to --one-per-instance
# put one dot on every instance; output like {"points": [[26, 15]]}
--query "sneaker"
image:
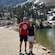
{"points": [[20, 53], [28, 53], [31, 52]]}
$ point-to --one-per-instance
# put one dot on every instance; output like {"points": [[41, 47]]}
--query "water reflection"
{"points": [[46, 37], [51, 35], [42, 37]]}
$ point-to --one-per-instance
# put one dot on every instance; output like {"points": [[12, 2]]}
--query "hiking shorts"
{"points": [[30, 38], [23, 38]]}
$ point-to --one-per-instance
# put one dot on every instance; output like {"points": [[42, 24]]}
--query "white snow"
{"points": [[36, 1], [30, 0], [50, 18]]}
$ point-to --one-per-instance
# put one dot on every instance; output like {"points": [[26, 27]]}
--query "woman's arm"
{"points": [[34, 32]]}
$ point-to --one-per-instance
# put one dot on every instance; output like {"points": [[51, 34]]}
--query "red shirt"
{"points": [[24, 28]]}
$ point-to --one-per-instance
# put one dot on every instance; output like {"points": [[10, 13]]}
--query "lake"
{"points": [[46, 37]]}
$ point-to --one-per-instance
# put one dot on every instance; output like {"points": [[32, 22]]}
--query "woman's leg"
{"points": [[31, 46]]}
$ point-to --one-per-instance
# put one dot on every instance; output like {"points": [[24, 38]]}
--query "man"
{"points": [[23, 32]]}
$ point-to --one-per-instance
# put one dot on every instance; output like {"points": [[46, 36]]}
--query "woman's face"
{"points": [[30, 23]]}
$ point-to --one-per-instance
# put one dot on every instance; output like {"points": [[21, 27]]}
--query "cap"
{"points": [[24, 17], [30, 20]]}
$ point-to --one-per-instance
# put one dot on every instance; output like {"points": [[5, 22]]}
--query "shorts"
{"points": [[30, 38], [23, 38]]}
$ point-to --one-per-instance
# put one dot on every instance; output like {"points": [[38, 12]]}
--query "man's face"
{"points": [[24, 20]]}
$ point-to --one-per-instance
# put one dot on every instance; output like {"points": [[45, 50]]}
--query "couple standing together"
{"points": [[27, 32]]}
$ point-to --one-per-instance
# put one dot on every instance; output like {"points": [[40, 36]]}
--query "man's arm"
{"points": [[19, 29]]}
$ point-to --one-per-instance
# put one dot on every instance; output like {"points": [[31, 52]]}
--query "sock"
{"points": [[20, 50], [25, 49], [30, 49]]}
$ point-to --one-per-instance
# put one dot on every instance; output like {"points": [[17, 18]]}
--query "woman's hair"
{"points": [[29, 23]]}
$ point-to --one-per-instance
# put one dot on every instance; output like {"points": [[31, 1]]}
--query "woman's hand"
{"points": [[34, 40]]}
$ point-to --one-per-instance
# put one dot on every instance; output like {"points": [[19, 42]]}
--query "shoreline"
{"points": [[43, 50]]}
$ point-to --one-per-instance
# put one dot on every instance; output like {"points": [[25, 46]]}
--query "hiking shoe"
{"points": [[30, 52], [20, 53]]}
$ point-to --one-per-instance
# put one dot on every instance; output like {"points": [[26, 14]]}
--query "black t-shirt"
{"points": [[31, 30]]}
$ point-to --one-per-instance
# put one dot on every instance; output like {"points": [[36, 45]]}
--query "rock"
{"points": [[44, 48], [48, 51]]}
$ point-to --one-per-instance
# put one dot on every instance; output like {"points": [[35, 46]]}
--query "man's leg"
{"points": [[20, 45], [25, 40], [21, 40], [25, 45]]}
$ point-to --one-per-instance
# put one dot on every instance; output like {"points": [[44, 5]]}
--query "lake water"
{"points": [[46, 37]]}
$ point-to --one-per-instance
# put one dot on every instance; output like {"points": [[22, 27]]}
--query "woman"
{"points": [[31, 35]]}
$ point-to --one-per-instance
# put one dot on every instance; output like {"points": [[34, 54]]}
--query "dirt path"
{"points": [[9, 43]]}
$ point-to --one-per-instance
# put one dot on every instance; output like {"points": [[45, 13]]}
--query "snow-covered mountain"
{"points": [[28, 1]]}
